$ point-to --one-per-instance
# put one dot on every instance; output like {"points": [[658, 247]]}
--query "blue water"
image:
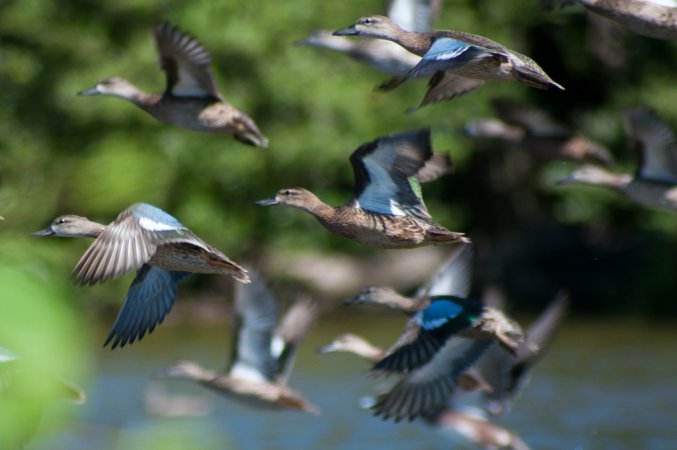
{"points": [[601, 386]]}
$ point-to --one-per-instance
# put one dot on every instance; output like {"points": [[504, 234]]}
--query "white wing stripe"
{"points": [[151, 225]]}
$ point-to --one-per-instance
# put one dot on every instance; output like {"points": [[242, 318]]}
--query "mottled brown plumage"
{"points": [[191, 98], [386, 210]]}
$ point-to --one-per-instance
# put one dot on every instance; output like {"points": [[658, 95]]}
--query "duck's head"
{"points": [[294, 197], [344, 343], [372, 26], [112, 86], [70, 226], [182, 369]]}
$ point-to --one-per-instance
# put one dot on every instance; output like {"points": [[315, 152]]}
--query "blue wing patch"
{"points": [[438, 314], [446, 54], [446, 48], [153, 218]]}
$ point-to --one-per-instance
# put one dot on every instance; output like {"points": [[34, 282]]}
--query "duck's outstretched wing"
{"points": [[385, 174], [414, 15], [293, 329], [445, 86], [131, 241], [186, 63], [426, 389], [454, 277], [149, 298], [654, 143], [438, 165], [256, 312], [509, 373], [427, 332]]}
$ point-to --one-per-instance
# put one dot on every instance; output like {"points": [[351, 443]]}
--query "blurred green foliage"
{"points": [[42, 330], [60, 153]]}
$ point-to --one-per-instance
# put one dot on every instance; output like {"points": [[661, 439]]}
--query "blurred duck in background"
{"points": [[499, 375], [191, 98], [651, 18], [357, 345], [473, 415], [385, 56], [654, 184], [155, 244], [262, 356], [387, 209], [457, 62], [508, 372], [446, 335], [532, 129]]}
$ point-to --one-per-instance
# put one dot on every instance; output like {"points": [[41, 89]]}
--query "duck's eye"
{"points": [[287, 192], [368, 21], [60, 221]]}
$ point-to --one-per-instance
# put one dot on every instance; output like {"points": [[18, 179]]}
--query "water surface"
{"points": [[608, 385]]}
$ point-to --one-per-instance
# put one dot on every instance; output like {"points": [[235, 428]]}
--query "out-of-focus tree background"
{"points": [[94, 156]]}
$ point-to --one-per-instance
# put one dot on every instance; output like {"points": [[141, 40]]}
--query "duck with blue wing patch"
{"points": [[158, 246], [440, 342], [387, 208], [457, 62], [384, 56], [447, 333]]}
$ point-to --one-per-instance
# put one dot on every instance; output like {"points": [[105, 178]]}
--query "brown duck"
{"points": [[387, 209], [191, 98]]}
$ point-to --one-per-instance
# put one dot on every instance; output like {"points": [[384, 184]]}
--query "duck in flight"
{"points": [[446, 336], [262, 356], [387, 209], [651, 18], [654, 184], [534, 130], [191, 98], [385, 56], [155, 244], [457, 62]]}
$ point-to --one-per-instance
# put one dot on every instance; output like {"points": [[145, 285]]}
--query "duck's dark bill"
{"points": [[326, 348], [44, 232], [347, 31], [92, 91], [354, 300], [267, 202]]}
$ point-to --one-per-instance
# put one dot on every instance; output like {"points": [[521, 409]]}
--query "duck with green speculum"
{"points": [[359, 346], [155, 244], [457, 62], [654, 184], [387, 209], [191, 98], [446, 335]]}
